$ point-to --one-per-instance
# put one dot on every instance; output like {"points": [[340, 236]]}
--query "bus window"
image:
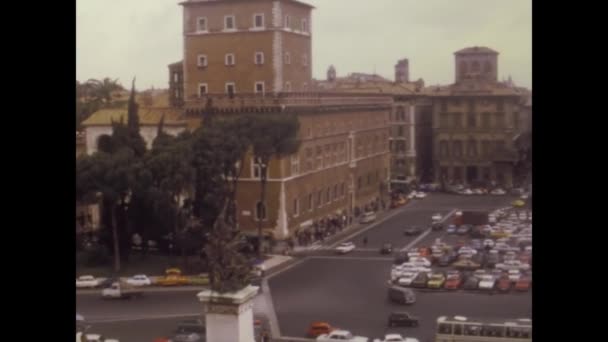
{"points": [[471, 330], [445, 328], [457, 329]]}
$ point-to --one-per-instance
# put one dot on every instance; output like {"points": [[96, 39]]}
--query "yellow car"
{"points": [[201, 279], [497, 234], [518, 203], [173, 277], [436, 281]]}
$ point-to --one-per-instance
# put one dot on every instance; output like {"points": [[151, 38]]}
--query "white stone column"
{"points": [[229, 316], [282, 226]]}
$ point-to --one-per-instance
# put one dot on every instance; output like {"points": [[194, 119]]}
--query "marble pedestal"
{"points": [[229, 316]]}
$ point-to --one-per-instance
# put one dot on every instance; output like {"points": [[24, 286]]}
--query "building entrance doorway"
{"points": [[472, 175]]}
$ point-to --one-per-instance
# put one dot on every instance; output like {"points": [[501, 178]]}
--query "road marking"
{"points": [[370, 226], [141, 318], [427, 232]]}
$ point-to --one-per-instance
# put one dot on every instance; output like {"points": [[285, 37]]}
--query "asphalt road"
{"points": [[351, 294]]}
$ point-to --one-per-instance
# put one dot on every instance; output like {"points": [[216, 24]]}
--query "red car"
{"points": [[503, 284], [453, 282], [319, 328], [523, 284]]}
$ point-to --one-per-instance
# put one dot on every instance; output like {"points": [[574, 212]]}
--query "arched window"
{"points": [[463, 68], [475, 66], [260, 211]]}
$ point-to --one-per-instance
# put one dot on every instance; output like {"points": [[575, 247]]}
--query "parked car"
{"points": [[523, 284], [436, 217], [95, 338], [121, 290], [466, 265], [492, 259], [319, 328], [420, 261], [466, 250], [402, 318], [421, 280], [368, 217], [471, 283], [400, 258], [139, 280], [487, 282], [463, 230], [86, 281], [415, 230], [451, 229], [513, 265], [436, 281], [466, 192], [437, 226], [345, 247], [453, 282], [488, 243], [191, 330], [387, 248], [446, 259], [173, 277], [396, 338], [498, 191], [406, 278], [401, 295], [503, 284], [341, 335], [420, 195]]}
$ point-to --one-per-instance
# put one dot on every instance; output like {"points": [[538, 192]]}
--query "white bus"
{"points": [[463, 329]]}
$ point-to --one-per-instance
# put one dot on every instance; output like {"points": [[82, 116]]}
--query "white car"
{"points": [[513, 265], [487, 282], [341, 335], [498, 191], [87, 281], [488, 243], [466, 192], [96, 338], [407, 278], [368, 217], [437, 217], [467, 250], [418, 261], [514, 275], [396, 338], [420, 195], [139, 280], [345, 247]]}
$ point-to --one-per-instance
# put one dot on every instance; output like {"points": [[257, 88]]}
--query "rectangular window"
{"points": [[257, 168], [309, 159], [335, 196], [443, 120], [260, 211], [342, 189], [201, 24], [296, 207], [259, 87], [500, 105], [319, 158], [471, 120], [258, 20], [319, 198], [287, 58], [500, 120], [326, 160], [229, 22], [202, 89], [230, 88], [304, 25], [457, 120], [369, 178], [229, 59], [295, 164], [202, 61], [334, 152], [328, 195], [310, 204], [359, 182], [288, 22], [259, 58], [485, 120]]}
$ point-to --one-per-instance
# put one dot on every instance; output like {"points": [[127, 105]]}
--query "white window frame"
{"points": [[295, 164], [255, 166], [200, 94], [255, 87], [226, 29], [226, 59], [296, 207], [304, 25], [287, 86], [287, 22], [228, 84], [255, 211], [254, 27], [198, 26], [305, 60], [255, 58], [198, 61], [287, 58]]}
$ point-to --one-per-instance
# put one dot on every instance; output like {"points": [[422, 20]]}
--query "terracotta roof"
{"points": [[190, 2], [472, 87], [147, 116], [476, 49]]}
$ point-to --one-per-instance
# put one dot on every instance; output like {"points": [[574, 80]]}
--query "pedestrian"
{"points": [[365, 241]]}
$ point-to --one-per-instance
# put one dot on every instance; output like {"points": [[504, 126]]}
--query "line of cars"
{"points": [[325, 332], [172, 277]]}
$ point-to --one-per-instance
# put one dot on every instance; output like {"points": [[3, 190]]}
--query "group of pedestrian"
{"points": [[322, 229]]}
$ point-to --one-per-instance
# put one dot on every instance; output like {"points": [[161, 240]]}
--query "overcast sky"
{"points": [[123, 38]]}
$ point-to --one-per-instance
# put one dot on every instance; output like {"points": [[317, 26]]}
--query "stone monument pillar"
{"points": [[229, 316]]}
